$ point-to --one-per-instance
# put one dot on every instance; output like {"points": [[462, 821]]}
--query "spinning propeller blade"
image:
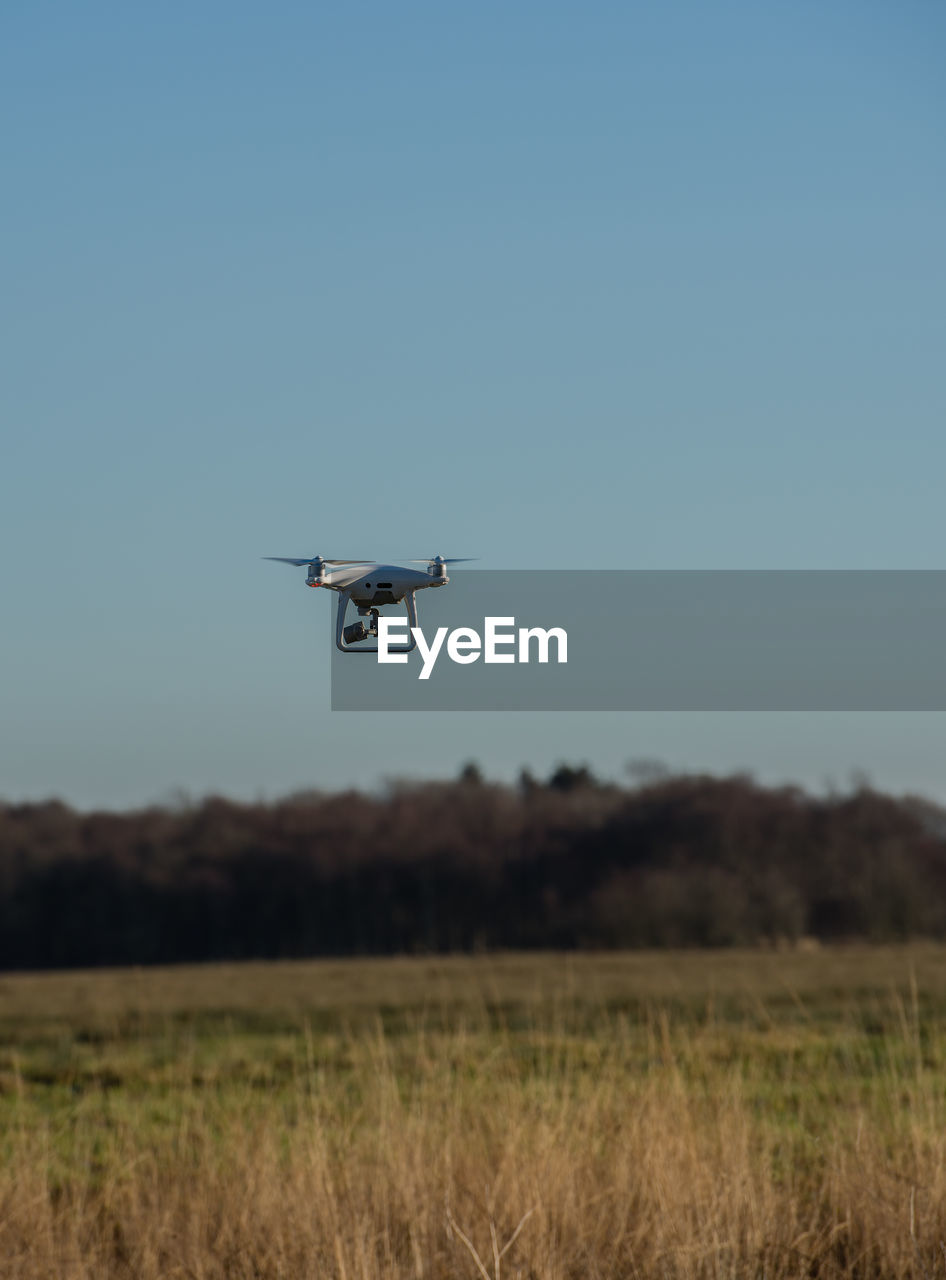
{"points": [[312, 560]]}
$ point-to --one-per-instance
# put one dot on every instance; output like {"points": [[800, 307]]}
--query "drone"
{"points": [[369, 585]]}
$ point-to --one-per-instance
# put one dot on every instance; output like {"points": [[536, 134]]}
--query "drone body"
{"points": [[369, 585]]}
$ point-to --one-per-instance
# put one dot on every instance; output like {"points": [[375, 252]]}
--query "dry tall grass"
{"points": [[774, 1140]]}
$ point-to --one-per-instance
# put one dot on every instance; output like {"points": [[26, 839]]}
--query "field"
{"points": [[764, 1114]]}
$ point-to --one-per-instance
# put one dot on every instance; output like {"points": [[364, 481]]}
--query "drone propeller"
{"points": [[314, 560], [444, 560]]}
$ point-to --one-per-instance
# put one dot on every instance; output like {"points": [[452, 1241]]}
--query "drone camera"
{"points": [[355, 632]]}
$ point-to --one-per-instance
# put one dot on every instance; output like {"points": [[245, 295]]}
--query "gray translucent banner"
{"points": [[671, 640]]}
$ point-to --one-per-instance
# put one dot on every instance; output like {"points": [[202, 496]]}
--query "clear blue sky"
{"points": [[551, 284]]}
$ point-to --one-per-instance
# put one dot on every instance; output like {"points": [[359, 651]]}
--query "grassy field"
{"points": [[761, 1114]]}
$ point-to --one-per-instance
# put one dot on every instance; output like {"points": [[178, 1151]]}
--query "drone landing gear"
{"points": [[347, 638]]}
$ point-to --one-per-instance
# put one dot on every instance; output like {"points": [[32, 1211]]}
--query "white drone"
{"points": [[370, 585]]}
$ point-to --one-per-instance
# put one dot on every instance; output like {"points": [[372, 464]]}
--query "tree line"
{"points": [[568, 862]]}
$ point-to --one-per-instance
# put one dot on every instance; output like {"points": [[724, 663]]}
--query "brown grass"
{"points": [[669, 1116]]}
